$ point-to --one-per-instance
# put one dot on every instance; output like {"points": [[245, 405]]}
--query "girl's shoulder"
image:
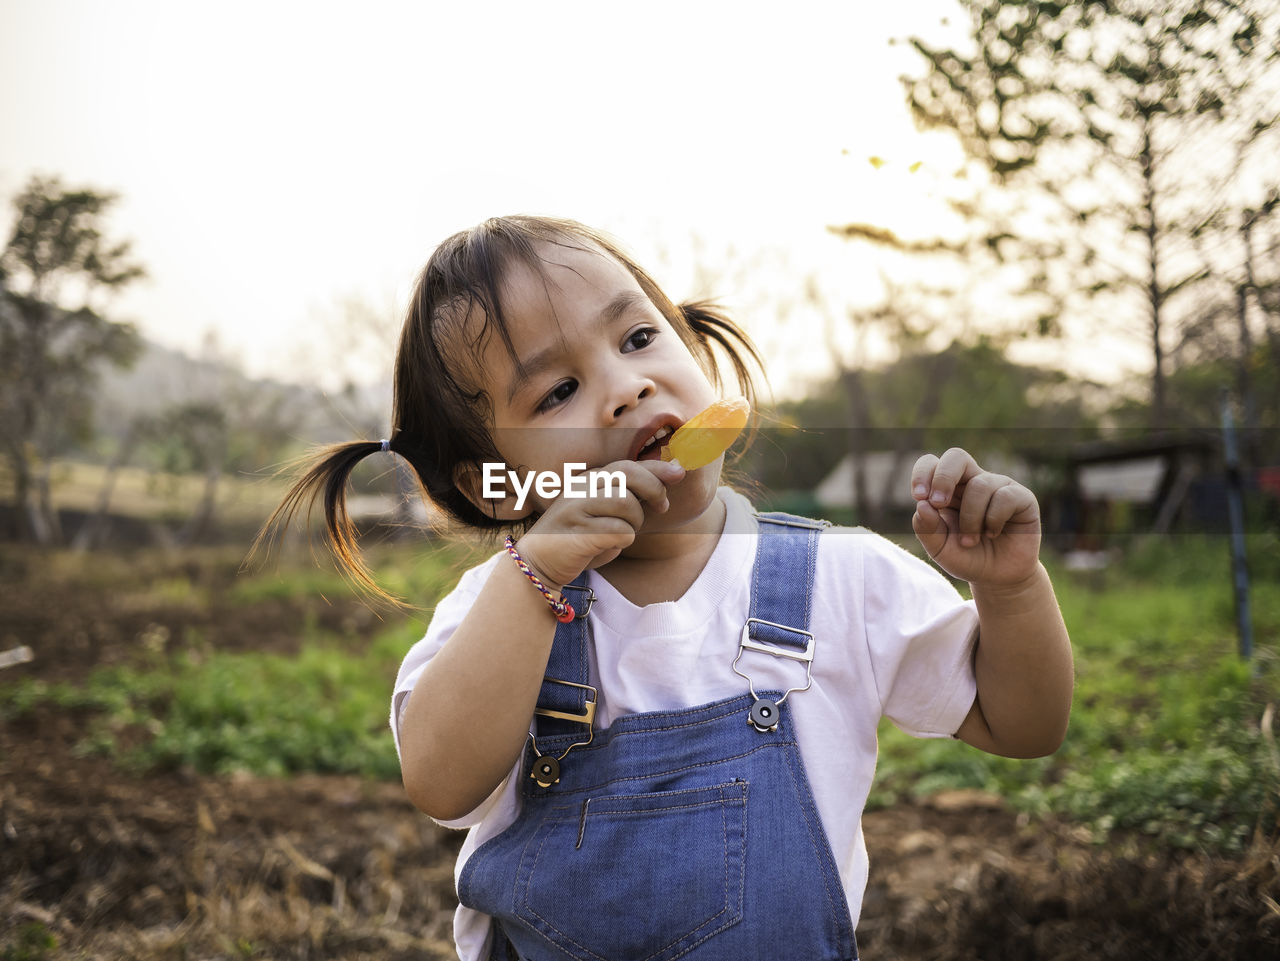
{"points": [[473, 577], [452, 604], [444, 616]]}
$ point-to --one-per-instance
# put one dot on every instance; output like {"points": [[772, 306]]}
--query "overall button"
{"points": [[764, 715], [546, 771]]}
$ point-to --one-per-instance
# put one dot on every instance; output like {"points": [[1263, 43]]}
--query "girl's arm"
{"points": [[1024, 670], [985, 528], [467, 719], [468, 716]]}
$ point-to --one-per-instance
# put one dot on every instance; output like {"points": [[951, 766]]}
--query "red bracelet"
{"points": [[561, 607]]}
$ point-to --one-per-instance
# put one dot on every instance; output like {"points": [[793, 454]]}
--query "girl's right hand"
{"points": [[575, 534]]}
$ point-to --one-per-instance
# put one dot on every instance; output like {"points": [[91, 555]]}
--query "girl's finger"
{"points": [[931, 528], [954, 469], [654, 477], [628, 509], [610, 529], [922, 476], [642, 485], [976, 504], [646, 480], [1007, 502]]}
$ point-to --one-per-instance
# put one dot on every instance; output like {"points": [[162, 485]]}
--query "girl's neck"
{"points": [[662, 566]]}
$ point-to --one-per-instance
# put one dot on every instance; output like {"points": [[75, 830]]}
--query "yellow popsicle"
{"points": [[707, 434]]}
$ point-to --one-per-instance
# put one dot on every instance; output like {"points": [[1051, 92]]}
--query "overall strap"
{"points": [[781, 600], [782, 579], [565, 687]]}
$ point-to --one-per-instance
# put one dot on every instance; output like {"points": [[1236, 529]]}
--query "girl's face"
{"points": [[603, 371]]}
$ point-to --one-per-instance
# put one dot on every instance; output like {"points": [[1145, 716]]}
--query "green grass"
{"points": [[1165, 741], [323, 709]]}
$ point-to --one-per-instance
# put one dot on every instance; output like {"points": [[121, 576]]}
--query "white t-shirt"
{"points": [[893, 638]]}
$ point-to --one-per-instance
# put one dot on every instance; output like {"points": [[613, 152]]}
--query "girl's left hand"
{"points": [[980, 527]]}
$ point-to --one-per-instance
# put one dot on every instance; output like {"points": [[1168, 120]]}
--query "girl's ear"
{"points": [[470, 479]]}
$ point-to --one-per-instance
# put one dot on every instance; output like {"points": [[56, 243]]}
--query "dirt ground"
{"points": [[96, 863]]}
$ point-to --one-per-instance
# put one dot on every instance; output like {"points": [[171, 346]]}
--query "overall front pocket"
{"points": [[638, 877]]}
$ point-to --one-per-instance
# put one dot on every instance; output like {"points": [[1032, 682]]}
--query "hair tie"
{"points": [[386, 445]]}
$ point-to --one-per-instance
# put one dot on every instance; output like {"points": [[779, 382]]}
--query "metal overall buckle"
{"points": [[546, 769], [765, 712], [580, 610]]}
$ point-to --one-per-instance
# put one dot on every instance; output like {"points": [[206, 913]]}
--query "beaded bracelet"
{"points": [[561, 607]]}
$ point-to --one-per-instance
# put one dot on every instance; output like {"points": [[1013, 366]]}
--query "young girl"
{"points": [[656, 710]]}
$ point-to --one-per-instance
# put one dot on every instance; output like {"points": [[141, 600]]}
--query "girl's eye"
{"points": [[559, 394], [640, 338]]}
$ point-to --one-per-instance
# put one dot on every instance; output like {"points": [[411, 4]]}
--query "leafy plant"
{"points": [[1166, 738]]}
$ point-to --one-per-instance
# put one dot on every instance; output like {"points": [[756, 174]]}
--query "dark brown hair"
{"points": [[439, 419]]}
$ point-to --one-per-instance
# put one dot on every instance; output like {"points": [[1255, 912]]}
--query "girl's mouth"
{"points": [[651, 449]]}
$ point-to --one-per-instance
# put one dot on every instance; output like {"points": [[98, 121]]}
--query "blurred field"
{"points": [[197, 764], [147, 494]]}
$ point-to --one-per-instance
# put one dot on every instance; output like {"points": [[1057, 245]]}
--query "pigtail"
{"points": [[323, 476], [711, 325]]}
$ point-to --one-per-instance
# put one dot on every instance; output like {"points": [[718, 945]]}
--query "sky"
{"points": [[276, 160]]}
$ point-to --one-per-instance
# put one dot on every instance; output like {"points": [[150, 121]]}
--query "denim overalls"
{"points": [[673, 834]]}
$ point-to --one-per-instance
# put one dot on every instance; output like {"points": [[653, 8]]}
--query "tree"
{"points": [[55, 271], [968, 393], [217, 423], [1222, 350], [1134, 126], [937, 379]]}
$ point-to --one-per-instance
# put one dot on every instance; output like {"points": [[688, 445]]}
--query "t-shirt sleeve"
{"points": [[449, 613], [920, 634]]}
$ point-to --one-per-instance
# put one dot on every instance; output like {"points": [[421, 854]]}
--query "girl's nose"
{"points": [[626, 392]]}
